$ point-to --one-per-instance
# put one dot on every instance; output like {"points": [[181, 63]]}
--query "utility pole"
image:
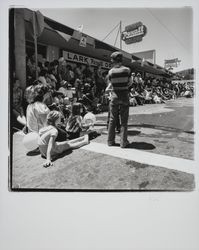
{"points": [[120, 34], [35, 43]]}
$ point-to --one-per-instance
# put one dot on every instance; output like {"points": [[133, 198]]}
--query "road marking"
{"points": [[139, 156]]}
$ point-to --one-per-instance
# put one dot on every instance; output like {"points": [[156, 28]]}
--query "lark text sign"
{"points": [[69, 56], [134, 33]]}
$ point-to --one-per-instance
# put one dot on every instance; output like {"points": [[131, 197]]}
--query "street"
{"points": [[160, 156]]}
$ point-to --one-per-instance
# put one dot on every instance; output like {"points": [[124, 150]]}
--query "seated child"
{"points": [[75, 125], [48, 146]]}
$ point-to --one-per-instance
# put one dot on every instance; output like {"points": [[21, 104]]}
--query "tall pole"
{"points": [[120, 34], [154, 56], [35, 43]]}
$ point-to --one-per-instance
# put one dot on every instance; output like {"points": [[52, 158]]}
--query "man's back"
{"points": [[119, 77]]}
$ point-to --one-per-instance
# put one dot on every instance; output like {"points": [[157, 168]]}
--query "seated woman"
{"points": [[132, 98], [88, 98], [148, 95], [188, 93], [36, 111], [140, 99], [48, 146], [156, 98]]}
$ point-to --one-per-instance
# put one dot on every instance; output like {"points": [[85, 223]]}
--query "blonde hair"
{"points": [[52, 117], [30, 94]]}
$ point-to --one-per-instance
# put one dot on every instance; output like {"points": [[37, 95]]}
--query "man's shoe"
{"points": [[125, 145], [112, 144]]}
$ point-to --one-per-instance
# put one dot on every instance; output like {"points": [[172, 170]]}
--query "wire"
{"points": [[167, 29], [111, 31], [117, 36]]}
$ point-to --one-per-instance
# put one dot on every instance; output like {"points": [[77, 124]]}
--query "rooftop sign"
{"points": [[134, 33]]}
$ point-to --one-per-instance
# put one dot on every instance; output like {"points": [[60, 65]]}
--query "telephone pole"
{"points": [[120, 34]]}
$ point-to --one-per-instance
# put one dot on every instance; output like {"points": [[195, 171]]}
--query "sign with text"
{"points": [[77, 58], [134, 33], [171, 63]]}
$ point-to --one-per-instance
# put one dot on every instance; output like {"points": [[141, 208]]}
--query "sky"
{"points": [[169, 30]]}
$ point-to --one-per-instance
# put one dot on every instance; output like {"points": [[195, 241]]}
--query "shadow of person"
{"points": [[65, 153], [93, 134], [141, 145], [133, 132], [33, 152]]}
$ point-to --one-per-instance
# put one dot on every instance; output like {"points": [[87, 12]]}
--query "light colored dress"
{"points": [[36, 115]]}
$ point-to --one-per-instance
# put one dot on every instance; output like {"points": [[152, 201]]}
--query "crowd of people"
{"points": [[54, 104], [152, 90], [87, 84], [82, 83]]}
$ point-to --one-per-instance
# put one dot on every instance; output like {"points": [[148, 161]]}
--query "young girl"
{"points": [[74, 124], [49, 148]]}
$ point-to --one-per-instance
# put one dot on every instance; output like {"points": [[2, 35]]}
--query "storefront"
{"points": [[57, 40]]}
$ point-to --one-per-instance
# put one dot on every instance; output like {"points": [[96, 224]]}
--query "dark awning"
{"points": [[54, 34], [149, 69]]}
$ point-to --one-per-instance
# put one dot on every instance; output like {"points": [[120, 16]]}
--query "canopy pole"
{"points": [[35, 43], [120, 34]]}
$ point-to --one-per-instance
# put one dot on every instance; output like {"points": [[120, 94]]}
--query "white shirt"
{"points": [[36, 115]]}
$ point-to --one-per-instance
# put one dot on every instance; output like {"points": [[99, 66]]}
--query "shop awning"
{"points": [[149, 69], [66, 38]]}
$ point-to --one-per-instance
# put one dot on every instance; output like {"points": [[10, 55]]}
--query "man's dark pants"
{"points": [[119, 103]]}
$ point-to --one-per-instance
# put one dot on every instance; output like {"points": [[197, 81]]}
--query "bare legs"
{"points": [[72, 144], [79, 142]]}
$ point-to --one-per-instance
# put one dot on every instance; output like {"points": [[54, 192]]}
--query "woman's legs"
{"points": [[60, 147], [79, 142]]}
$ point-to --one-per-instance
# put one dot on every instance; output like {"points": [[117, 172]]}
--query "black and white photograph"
{"points": [[102, 103], [99, 125]]}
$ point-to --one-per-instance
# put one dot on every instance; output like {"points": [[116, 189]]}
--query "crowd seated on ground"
{"points": [[60, 85], [152, 90]]}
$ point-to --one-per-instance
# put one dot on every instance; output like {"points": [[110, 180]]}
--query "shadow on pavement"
{"points": [[93, 134], [133, 132], [62, 155], [141, 145], [33, 152]]}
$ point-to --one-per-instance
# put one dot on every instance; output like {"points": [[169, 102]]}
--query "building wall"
{"points": [[19, 46], [148, 55]]}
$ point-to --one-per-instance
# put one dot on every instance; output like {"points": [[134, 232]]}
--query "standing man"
{"points": [[119, 79]]}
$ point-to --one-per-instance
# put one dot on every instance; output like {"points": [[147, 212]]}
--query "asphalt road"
{"points": [[177, 114]]}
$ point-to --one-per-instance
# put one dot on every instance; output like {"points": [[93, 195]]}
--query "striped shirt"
{"points": [[119, 78]]}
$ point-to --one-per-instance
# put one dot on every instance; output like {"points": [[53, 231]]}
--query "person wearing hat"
{"points": [[120, 80]]}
